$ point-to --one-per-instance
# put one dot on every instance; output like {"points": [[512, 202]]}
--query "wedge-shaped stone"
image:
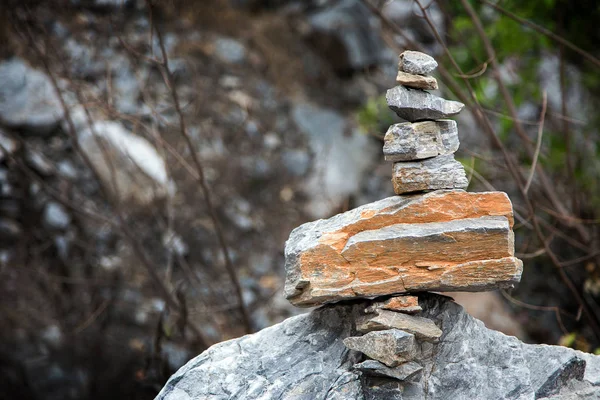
{"points": [[405, 304], [415, 62], [384, 320], [417, 105], [442, 172], [318, 273], [403, 372], [416, 81], [392, 347], [414, 141]]}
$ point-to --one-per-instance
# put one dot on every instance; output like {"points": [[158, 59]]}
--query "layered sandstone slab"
{"points": [[415, 141], [417, 105], [442, 172], [447, 240], [405, 304], [416, 81]]}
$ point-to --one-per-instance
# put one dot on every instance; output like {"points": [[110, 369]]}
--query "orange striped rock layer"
{"points": [[439, 241]]}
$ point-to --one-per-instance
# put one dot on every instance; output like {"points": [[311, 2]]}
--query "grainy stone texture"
{"points": [[402, 372], [405, 304], [414, 141], [416, 81], [442, 172], [422, 328], [415, 62], [304, 358], [321, 266], [417, 105], [391, 347]]}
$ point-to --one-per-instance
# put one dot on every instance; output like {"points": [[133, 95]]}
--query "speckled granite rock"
{"points": [[415, 62]]}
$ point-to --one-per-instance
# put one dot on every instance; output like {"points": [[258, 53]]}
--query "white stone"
{"points": [[128, 165]]}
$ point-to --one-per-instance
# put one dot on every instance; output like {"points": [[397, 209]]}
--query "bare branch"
{"points": [[538, 145], [169, 82], [544, 32]]}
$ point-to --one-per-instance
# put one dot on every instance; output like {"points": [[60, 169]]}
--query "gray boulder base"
{"points": [[304, 357], [442, 172], [417, 105], [415, 62], [415, 141]]}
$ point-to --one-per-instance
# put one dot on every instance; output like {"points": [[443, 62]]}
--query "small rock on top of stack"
{"points": [[422, 149]]}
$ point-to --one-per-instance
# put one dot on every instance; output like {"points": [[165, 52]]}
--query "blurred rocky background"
{"points": [[154, 157]]}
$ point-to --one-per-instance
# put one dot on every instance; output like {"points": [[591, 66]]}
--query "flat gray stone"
{"points": [[391, 347], [415, 62], [442, 172], [416, 81], [423, 328], [304, 358], [418, 105], [402, 372], [415, 141]]}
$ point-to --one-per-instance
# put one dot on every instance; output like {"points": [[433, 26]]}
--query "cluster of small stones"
{"points": [[422, 149], [434, 236]]}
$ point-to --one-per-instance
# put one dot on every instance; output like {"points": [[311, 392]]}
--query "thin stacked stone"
{"points": [[433, 236], [423, 148]]}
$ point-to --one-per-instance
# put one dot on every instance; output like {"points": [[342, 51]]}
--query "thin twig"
{"points": [[538, 145], [169, 82], [557, 311]]}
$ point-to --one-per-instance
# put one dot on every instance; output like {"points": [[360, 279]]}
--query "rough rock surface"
{"points": [[402, 372], [391, 347], [417, 105], [416, 81], [415, 62], [383, 320], [414, 141], [304, 358], [27, 98], [405, 304], [317, 272], [442, 172]]}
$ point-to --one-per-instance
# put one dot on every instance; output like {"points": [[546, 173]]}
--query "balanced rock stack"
{"points": [[434, 236], [395, 340]]}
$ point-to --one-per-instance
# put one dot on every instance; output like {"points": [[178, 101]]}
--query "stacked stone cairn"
{"points": [[433, 236]]}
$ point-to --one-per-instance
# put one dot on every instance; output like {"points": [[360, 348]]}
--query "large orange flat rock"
{"points": [[439, 241]]}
